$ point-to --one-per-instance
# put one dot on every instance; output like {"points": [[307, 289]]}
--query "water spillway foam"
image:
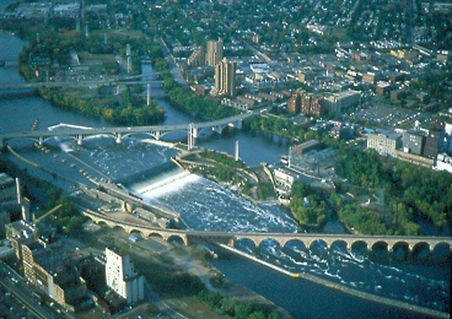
{"points": [[168, 182]]}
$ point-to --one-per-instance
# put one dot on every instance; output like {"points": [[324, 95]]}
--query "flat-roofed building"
{"points": [[122, 278], [413, 142], [384, 142], [54, 271], [336, 102]]}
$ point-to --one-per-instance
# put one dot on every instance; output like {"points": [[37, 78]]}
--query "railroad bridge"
{"points": [[230, 238], [119, 133]]}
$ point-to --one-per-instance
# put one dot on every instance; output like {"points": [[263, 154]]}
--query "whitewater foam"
{"points": [[174, 182]]}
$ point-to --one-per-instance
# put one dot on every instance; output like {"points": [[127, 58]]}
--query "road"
{"points": [[174, 69], [23, 294]]}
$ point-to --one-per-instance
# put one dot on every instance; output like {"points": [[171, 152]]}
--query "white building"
{"points": [[385, 143], [286, 177], [122, 278], [443, 163]]}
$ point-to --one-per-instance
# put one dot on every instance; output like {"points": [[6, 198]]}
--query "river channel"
{"points": [[206, 205]]}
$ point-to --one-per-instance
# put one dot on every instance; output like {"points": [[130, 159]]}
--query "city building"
{"points": [[384, 142], [431, 144], [285, 177], [311, 105], [7, 188], [5, 219], [396, 95], [382, 87], [336, 102], [296, 151], [19, 233], [294, 103], [11, 199], [54, 271], [443, 163], [214, 52], [196, 58], [122, 278], [225, 78], [413, 142]]}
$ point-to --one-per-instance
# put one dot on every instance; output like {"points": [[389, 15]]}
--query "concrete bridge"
{"points": [[63, 84], [121, 132], [411, 243]]}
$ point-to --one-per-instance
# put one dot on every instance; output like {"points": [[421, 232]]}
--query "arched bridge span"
{"points": [[230, 238]]}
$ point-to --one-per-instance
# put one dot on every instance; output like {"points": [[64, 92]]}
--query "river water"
{"points": [[207, 205]]}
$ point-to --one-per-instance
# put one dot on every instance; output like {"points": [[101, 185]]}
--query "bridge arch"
{"points": [[150, 133], [340, 243], [270, 242], [421, 250], [178, 239], [117, 227], [439, 244], [295, 243], [359, 245], [402, 246], [380, 244], [136, 232], [441, 251], [100, 222], [318, 242], [155, 235], [245, 243]]}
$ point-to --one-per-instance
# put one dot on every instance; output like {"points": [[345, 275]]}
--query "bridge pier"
{"points": [[118, 137], [218, 129], [192, 134], [157, 135]]}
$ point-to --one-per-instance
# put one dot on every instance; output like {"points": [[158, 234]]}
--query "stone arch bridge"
{"points": [[230, 238]]}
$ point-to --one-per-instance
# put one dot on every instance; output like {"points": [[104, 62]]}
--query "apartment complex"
{"points": [[196, 58], [214, 52], [225, 78]]}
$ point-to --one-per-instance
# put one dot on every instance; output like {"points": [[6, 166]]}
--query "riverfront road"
{"points": [[229, 238], [156, 131]]}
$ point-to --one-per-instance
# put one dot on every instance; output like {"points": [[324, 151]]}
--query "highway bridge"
{"points": [[411, 243], [84, 83], [121, 132]]}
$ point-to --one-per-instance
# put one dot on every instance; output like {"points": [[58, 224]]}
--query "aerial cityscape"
{"points": [[225, 159]]}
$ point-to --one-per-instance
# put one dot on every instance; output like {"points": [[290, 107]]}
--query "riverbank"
{"points": [[431, 313]]}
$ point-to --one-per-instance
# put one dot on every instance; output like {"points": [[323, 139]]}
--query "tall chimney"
{"points": [[19, 197]]}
